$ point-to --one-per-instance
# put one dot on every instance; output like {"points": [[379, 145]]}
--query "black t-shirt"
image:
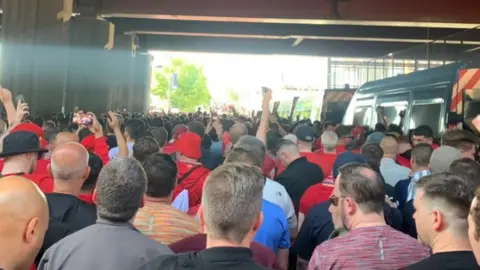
{"points": [[111, 141], [224, 258], [68, 214], [299, 176], [458, 260]]}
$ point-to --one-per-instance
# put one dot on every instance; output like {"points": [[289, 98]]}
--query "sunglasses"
{"points": [[334, 200]]}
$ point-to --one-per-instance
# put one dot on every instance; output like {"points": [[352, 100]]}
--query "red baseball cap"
{"points": [[189, 144], [30, 127]]}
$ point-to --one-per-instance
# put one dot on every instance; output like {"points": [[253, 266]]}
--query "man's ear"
{"points": [[49, 170]]}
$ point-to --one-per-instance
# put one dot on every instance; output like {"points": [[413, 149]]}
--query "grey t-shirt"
{"points": [[104, 245]]}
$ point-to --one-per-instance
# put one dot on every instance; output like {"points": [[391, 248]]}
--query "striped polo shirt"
{"points": [[164, 223]]}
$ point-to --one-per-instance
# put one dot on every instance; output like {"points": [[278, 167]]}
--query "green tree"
{"points": [[191, 91], [232, 95]]}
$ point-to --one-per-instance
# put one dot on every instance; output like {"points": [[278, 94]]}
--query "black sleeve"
{"points": [[316, 229], [408, 221]]}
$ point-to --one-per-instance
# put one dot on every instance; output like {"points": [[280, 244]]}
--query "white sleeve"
{"points": [[289, 211]]}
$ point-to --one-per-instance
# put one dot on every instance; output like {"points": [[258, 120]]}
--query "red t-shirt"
{"points": [[316, 194], [326, 163], [340, 149], [42, 180], [268, 165], [42, 166], [88, 198], [403, 161], [193, 182]]}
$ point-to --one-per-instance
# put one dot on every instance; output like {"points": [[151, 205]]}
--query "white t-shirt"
{"points": [[277, 194]]}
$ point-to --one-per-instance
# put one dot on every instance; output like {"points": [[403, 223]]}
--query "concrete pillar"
{"points": [[140, 92], [88, 70], [35, 52]]}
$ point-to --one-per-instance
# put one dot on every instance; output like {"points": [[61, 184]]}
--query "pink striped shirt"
{"points": [[372, 248]]}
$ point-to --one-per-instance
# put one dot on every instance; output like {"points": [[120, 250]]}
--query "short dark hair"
{"points": [[161, 173], [50, 135], [379, 127], [343, 131], [144, 147], [421, 154], [196, 127], [244, 156], [373, 153], [156, 122], [394, 128], [361, 183], [450, 189], [468, 169], [460, 139], [49, 125], [135, 128], [160, 134], [120, 189], [95, 163], [423, 130]]}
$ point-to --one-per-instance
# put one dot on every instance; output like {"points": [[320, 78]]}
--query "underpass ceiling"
{"points": [[353, 28]]}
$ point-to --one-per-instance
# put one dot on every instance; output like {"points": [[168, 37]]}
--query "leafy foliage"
{"points": [[232, 95], [191, 91]]}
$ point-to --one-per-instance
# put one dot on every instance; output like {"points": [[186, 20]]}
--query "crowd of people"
{"points": [[205, 191]]}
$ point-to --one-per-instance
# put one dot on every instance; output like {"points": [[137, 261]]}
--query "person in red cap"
{"points": [[191, 173], [169, 148], [21, 150]]}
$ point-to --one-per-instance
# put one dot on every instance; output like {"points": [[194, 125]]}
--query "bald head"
{"points": [[65, 137], [24, 215], [389, 146], [237, 131], [69, 162]]}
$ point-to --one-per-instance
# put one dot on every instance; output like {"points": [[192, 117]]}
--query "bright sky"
{"points": [[246, 74]]}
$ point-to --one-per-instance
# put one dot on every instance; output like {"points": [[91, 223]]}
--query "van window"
{"points": [[391, 113], [362, 116], [426, 114]]}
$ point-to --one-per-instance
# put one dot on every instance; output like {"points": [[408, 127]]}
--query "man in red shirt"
{"points": [[21, 151], [191, 173], [344, 134], [329, 153]]}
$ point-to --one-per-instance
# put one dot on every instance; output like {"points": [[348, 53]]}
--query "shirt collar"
{"points": [[230, 254], [114, 223], [417, 175]]}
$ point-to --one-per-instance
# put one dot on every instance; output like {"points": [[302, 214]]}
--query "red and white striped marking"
{"points": [[467, 79]]}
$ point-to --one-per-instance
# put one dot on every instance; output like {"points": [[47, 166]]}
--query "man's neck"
{"points": [[448, 243], [69, 189], [212, 243], [390, 156], [304, 148], [419, 169], [166, 200], [368, 220], [13, 168]]}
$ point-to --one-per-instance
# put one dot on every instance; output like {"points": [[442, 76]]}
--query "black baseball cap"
{"points": [[305, 133], [21, 142]]}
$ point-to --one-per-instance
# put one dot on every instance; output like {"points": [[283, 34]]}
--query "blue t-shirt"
{"points": [[273, 233]]}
